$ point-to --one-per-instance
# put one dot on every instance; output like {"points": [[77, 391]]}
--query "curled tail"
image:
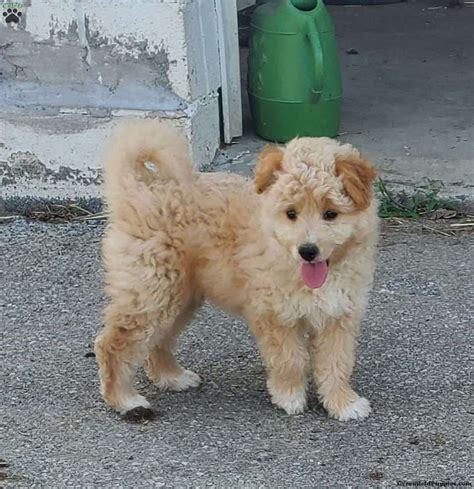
{"points": [[140, 153]]}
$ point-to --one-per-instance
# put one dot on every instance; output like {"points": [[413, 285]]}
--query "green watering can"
{"points": [[294, 79]]}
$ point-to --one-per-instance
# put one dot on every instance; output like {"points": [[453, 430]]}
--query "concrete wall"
{"points": [[71, 70]]}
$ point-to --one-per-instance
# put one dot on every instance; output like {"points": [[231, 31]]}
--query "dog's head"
{"points": [[316, 199]]}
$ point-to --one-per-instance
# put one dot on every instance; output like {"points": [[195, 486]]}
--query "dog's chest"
{"points": [[316, 307]]}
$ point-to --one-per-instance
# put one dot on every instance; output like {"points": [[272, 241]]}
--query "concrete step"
{"points": [[52, 137]]}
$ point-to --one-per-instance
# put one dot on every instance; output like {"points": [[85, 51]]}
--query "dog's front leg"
{"points": [[285, 354], [332, 356]]}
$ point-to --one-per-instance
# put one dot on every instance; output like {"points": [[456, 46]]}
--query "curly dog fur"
{"points": [[177, 237]]}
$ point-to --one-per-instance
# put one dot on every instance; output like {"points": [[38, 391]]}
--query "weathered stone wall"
{"points": [[70, 70]]}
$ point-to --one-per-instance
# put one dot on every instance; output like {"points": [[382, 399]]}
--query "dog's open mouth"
{"points": [[314, 274]]}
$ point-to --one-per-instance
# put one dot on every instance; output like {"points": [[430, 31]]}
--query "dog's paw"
{"points": [[184, 380], [136, 401], [291, 403], [359, 409]]}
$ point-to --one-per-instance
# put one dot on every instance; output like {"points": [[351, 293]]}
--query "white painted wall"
{"points": [[86, 65], [184, 29]]}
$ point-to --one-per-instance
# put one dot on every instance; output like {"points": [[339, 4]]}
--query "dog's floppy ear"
{"points": [[357, 175], [269, 162]]}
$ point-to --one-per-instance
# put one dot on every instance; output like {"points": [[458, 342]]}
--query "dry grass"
{"points": [[443, 227], [62, 213]]}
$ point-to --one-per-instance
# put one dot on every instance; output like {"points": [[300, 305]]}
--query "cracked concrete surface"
{"points": [[412, 363]]}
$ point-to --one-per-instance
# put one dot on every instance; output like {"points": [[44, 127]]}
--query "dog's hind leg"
{"points": [[124, 344], [120, 348], [161, 364], [147, 293]]}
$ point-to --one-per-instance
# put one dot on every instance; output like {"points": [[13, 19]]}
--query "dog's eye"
{"points": [[329, 215], [291, 214]]}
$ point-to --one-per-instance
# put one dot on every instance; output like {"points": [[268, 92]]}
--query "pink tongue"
{"points": [[314, 274]]}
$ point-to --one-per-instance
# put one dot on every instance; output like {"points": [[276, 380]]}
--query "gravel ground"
{"points": [[413, 364]]}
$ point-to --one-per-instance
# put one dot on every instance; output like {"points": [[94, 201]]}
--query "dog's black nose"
{"points": [[308, 251]]}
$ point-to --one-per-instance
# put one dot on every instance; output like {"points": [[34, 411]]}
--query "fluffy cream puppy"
{"points": [[291, 251]]}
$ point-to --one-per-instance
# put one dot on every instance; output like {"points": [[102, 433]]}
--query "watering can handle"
{"points": [[318, 61]]}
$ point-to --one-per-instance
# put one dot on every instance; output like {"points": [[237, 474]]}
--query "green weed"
{"points": [[423, 202]]}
